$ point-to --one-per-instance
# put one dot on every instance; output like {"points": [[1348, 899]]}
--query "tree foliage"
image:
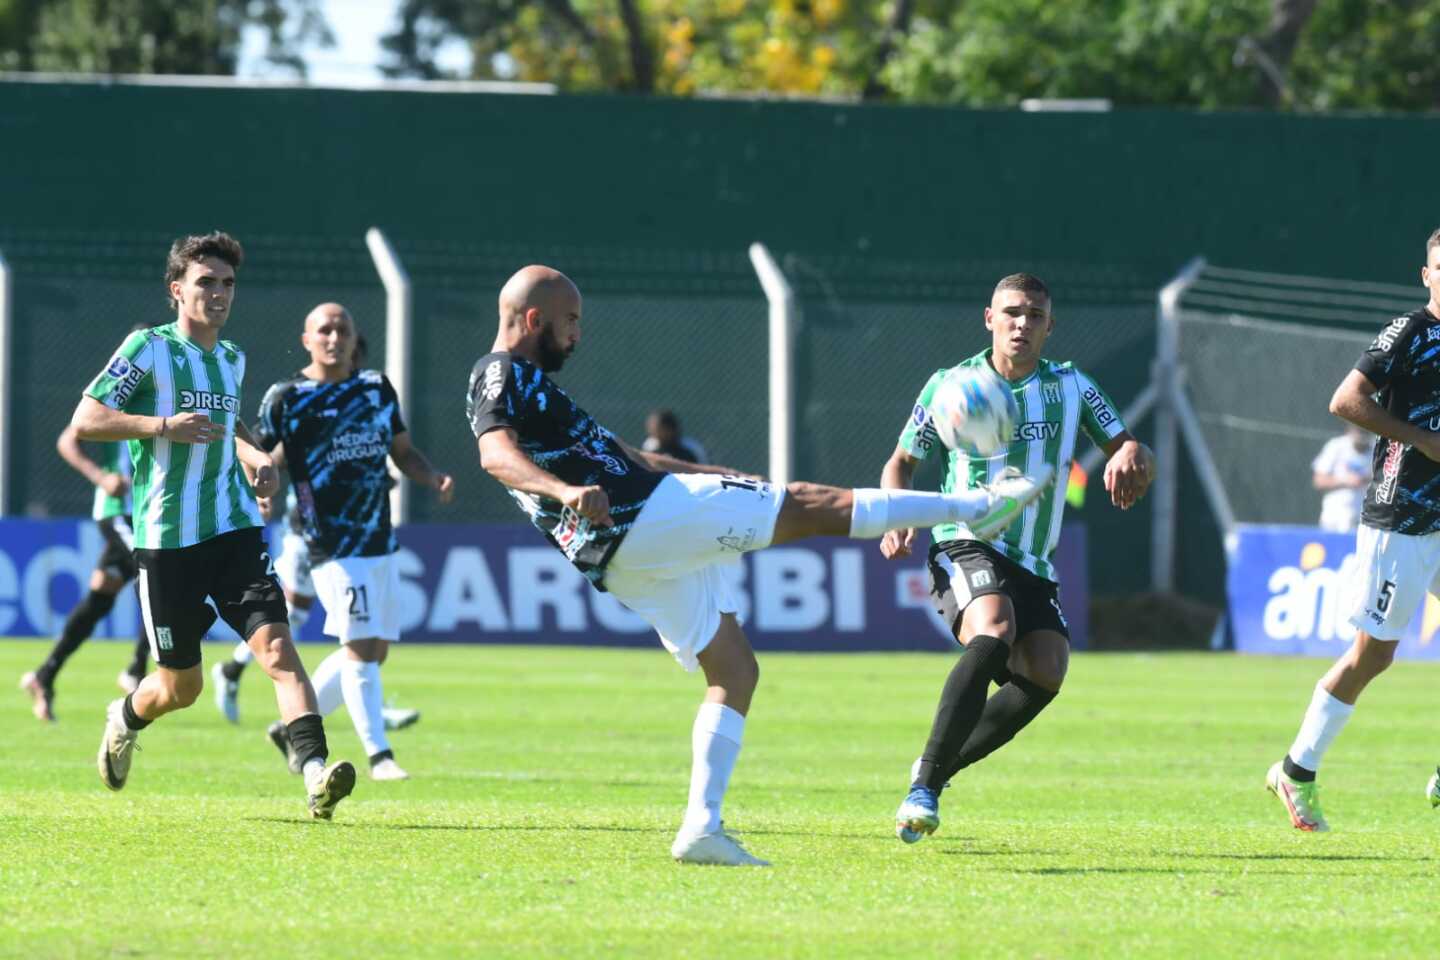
{"points": [[153, 36]]}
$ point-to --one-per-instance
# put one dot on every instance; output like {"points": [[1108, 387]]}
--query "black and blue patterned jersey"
{"points": [[337, 437], [1404, 365], [564, 440]]}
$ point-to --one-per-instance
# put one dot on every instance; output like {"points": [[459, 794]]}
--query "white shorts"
{"points": [[293, 564], [361, 597], [676, 565], [1396, 570]]}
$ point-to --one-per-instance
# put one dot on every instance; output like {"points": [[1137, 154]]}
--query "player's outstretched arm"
{"points": [[416, 466], [1354, 400], [503, 459], [68, 444], [1129, 470], [898, 474]]}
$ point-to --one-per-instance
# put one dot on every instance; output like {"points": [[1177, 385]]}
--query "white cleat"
{"points": [[327, 786], [1010, 494], [1432, 789], [718, 848], [397, 718], [388, 769], [116, 746], [227, 693], [1301, 799], [127, 682]]}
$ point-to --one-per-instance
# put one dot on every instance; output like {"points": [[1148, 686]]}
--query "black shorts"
{"points": [[961, 570], [233, 570], [118, 557]]}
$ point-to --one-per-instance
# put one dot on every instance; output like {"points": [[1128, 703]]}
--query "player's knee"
{"points": [[186, 688], [103, 581]]}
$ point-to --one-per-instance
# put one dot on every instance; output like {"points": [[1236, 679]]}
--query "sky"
{"points": [[358, 26]]}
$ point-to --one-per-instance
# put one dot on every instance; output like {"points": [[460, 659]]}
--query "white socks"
{"points": [[242, 653], [326, 681], [360, 683], [715, 740], [876, 511], [1323, 723]]}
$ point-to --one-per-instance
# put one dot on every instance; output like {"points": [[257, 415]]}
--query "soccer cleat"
{"points": [[116, 745], [278, 735], [1432, 789], [388, 769], [1301, 799], [127, 682], [398, 719], [1010, 494], [328, 786], [42, 698], [226, 693], [717, 848], [918, 816]]}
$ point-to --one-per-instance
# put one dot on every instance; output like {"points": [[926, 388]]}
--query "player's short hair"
{"points": [[1025, 283], [666, 418], [1432, 243], [198, 246]]}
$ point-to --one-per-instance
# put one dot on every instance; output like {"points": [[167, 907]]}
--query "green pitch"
{"points": [[1129, 820]]}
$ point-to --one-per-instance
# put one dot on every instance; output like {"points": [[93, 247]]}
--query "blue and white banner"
{"points": [[504, 584], [1290, 591]]}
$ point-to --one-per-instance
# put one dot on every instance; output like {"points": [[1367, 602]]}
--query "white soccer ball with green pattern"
{"points": [[974, 411]]}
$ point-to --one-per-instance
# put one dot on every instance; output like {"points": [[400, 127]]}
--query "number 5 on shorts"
{"points": [[1387, 594]]}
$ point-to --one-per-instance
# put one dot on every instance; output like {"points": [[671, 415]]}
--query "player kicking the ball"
{"points": [[997, 589], [173, 391], [337, 426], [1394, 392], [658, 540]]}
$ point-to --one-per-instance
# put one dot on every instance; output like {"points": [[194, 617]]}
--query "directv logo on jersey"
{"points": [[1043, 430], [1103, 414], [205, 400]]}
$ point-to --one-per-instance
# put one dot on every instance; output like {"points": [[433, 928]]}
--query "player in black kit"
{"points": [[660, 541], [1394, 391]]}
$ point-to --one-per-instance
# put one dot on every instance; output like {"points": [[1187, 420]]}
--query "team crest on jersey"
{"points": [[1051, 392], [494, 380]]}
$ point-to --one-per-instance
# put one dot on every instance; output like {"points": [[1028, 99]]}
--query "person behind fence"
{"points": [[1341, 471], [664, 435], [656, 532], [998, 591], [114, 569], [173, 391], [1393, 392]]}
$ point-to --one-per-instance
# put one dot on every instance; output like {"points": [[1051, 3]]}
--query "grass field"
{"points": [[1130, 820]]}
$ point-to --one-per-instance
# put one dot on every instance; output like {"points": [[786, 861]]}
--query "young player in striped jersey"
{"points": [[173, 392], [116, 567], [999, 592]]}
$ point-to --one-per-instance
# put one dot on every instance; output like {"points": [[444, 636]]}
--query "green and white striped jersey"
{"points": [[1056, 402], [183, 493], [114, 458]]}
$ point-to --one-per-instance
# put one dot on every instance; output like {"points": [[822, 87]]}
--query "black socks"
{"points": [[1006, 713], [78, 627], [133, 720], [961, 702], [307, 738], [231, 669], [140, 657], [1296, 772]]}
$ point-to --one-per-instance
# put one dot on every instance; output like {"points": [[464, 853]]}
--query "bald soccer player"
{"points": [[657, 533], [332, 427]]}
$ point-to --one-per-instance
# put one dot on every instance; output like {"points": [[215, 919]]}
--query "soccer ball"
{"points": [[974, 411]]}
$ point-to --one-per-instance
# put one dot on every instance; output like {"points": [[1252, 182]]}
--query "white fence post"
{"points": [[397, 343], [1165, 375], [784, 314], [7, 309]]}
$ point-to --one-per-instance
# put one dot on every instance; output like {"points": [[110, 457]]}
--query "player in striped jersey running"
{"points": [[173, 392], [999, 593]]}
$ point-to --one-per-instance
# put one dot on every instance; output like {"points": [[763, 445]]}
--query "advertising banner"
{"points": [[1290, 592], [505, 584]]}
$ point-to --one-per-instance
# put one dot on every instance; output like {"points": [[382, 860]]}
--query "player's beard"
{"points": [[552, 355]]}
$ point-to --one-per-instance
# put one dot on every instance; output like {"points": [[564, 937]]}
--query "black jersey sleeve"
{"points": [[272, 410], [1387, 356], [397, 419], [494, 401]]}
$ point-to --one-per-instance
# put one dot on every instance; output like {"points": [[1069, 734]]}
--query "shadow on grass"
{"points": [[477, 827]]}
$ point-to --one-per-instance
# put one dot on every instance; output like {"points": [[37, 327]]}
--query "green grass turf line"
{"points": [[1130, 820]]}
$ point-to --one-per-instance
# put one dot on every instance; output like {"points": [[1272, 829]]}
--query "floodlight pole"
{"points": [[7, 307], [784, 317], [1165, 376], [397, 343]]}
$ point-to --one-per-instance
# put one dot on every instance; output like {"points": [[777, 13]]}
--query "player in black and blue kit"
{"points": [[337, 425]]}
